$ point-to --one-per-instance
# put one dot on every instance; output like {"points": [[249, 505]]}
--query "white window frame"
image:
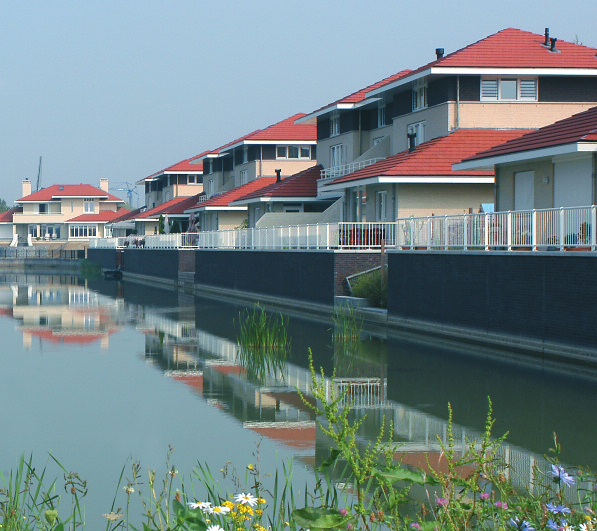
{"points": [[211, 187], [381, 114], [88, 205], [83, 231], [243, 177], [337, 155], [491, 88], [245, 154], [335, 124], [381, 204], [286, 151], [420, 129], [419, 95], [191, 179]]}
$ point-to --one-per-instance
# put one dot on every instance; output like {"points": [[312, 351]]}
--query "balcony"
{"points": [[338, 171]]}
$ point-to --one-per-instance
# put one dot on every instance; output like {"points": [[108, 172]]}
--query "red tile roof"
{"points": [[175, 206], [302, 184], [514, 48], [6, 217], [101, 217], [360, 95], [58, 191], [435, 157], [184, 166], [581, 127], [225, 198]]}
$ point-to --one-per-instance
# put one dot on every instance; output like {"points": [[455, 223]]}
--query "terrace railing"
{"points": [[536, 230]]}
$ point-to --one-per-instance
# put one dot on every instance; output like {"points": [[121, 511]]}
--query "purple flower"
{"points": [[522, 526], [557, 509], [501, 505], [441, 501], [343, 512], [484, 495], [416, 526], [559, 474], [552, 524]]}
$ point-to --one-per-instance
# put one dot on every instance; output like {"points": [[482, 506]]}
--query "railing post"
{"points": [[509, 230], [486, 219], [445, 233], [593, 227], [412, 234], [562, 227], [534, 230], [428, 232], [465, 231]]}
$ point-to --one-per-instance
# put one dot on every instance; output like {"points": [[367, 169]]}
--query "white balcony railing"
{"points": [[536, 230], [345, 169]]}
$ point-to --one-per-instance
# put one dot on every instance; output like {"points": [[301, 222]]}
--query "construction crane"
{"points": [[130, 189], [38, 176]]}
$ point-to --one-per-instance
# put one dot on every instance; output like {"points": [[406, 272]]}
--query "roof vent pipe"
{"points": [[553, 41], [439, 52], [411, 142], [278, 178], [546, 43]]}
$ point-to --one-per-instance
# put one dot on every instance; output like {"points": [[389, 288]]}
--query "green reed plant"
{"points": [[259, 329], [347, 324]]}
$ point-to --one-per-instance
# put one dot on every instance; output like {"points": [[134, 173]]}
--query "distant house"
{"points": [[289, 201], [512, 80], [285, 145], [147, 222], [551, 167], [76, 212], [183, 179]]}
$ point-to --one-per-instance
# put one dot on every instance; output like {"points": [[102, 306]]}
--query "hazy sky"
{"points": [[122, 89]]}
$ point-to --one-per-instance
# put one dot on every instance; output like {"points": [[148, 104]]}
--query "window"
{"points": [[380, 209], [245, 154], [42, 208], [419, 129], [336, 155], [381, 115], [335, 124], [243, 177], [508, 89], [419, 95], [83, 231], [191, 179], [293, 152], [88, 205], [211, 187]]}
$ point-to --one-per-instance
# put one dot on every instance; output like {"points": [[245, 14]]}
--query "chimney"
{"points": [[439, 52], [104, 185], [546, 43], [553, 41], [26, 187], [278, 178], [411, 141]]}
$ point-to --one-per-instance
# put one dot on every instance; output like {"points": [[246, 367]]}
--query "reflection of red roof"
{"points": [[6, 217], [175, 206], [298, 436], [302, 184], [61, 336], [58, 191], [435, 157], [581, 127], [104, 216], [225, 198], [192, 380], [227, 369]]}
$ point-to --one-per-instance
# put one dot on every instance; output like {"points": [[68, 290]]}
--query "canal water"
{"points": [[101, 374]]}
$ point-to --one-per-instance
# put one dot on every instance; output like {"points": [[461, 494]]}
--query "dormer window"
{"points": [[335, 124], [419, 95], [508, 89]]}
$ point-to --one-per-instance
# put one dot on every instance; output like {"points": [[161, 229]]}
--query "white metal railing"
{"points": [[536, 230], [345, 169]]}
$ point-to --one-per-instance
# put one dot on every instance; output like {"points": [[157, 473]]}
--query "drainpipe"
{"points": [[594, 178], [457, 102]]}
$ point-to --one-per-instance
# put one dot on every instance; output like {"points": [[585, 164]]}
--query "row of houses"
{"points": [[510, 121]]}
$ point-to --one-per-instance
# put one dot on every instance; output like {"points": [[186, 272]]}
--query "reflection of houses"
{"points": [[61, 314]]}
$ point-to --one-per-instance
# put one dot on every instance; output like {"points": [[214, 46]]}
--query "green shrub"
{"points": [[369, 286]]}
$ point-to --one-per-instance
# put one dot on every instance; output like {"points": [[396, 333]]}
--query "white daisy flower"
{"points": [[204, 506], [214, 528], [248, 499], [218, 509]]}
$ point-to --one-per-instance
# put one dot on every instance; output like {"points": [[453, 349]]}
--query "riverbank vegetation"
{"points": [[370, 285]]}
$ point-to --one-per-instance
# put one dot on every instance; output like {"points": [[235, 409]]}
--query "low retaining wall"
{"points": [[539, 298]]}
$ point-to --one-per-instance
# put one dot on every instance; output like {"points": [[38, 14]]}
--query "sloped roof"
{"points": [[284, 131], [104, 216], [184, 166], [225, 198], [360, 95], [175, 206], [6, 217], [581, 127], [435, 157], [58, 191], [302, 184]]}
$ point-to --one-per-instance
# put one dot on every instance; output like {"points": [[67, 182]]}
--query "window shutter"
{"points": [[489, 89], [528, 89]]}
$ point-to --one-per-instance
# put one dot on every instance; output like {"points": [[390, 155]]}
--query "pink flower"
{"points": [[343, 512], [501, 505], [441, 501], [416, 526], [484, 495]]}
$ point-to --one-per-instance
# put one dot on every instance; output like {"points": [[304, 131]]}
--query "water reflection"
{"points": [[192, 343]]}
